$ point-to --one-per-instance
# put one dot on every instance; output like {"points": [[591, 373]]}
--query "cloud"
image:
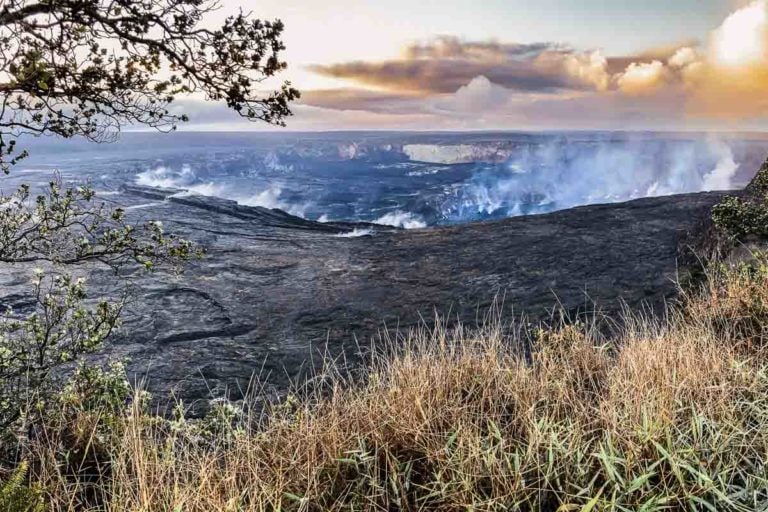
{"points": [[618, 64], [451, 47], [684, 57], [741, 39], [450, 83], [730, 81], [640, 79], [478, 95], [456, 84], [362, 99], [584, 70], [446, 64], [725, 80]]}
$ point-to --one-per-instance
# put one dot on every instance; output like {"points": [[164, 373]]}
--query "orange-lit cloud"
{"points": [[642, 78], [449, 81], [727, 79], [447, 63], [731, 79]]}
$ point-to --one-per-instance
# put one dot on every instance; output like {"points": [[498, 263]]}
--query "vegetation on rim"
{"points": [[670, 415], [741, 217], [88, 68]]}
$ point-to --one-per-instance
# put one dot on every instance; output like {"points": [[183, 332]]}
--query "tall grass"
{"points": [[672, 414]]}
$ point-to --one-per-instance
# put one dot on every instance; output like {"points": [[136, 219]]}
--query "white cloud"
{"points": [[642, 78]]}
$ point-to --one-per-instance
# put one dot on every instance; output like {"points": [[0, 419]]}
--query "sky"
{"points": [[517, 64]]}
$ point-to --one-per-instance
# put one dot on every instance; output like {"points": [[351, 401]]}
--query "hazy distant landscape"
{"points": [[410, 180]]}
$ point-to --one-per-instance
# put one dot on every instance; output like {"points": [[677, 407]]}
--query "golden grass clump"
{"points": [[670, 415]]}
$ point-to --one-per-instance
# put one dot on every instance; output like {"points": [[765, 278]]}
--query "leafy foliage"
{"points": [[93, 388], [740, 217], [87, 67], [86, 426], [758, 187], [66, 225], [61, 329], [16, 496]]}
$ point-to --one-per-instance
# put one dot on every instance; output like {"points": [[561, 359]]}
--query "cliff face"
{"points": [[274, 291]]}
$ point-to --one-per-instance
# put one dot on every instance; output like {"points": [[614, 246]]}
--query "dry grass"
{"points": [[673, 415]]}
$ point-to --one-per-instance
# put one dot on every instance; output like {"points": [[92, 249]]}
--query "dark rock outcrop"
{"points": [[274, 290]]}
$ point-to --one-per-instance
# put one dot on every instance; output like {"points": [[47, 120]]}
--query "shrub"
{"points": [[60, 330], [758, 187], [46, 336], [740, 217], [76, 441], [733, 304]]}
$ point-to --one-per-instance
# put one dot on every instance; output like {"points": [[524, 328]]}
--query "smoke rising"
{"points": [[187, 179], [423, 183], [401, 219], [561, 175]]}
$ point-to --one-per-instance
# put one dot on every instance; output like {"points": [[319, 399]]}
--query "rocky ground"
{"points": [[275, 291]]}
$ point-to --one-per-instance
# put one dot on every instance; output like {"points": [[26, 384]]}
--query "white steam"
{"points": [[721, 177], [504, 180], [186, 178], [163, 177], [269, 198], [401, 219], [355, 233], [560, 175]]}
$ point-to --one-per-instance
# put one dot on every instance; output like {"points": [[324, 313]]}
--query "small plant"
{"points": [[65, 225], [17, 496], [734, 302]]}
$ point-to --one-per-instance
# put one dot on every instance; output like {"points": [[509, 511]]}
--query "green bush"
{"points": [[42, 342], [740, 218], [17, 496], [61, 329], [62, 226], [759, 185]]}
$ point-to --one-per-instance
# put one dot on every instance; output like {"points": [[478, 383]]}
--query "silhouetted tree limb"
{"points": [[88, 67], [66, 225]]}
